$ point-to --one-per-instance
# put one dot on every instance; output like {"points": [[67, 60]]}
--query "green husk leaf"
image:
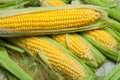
{"points": [[67, 1], [12, 67], [6, 5], [116, 76], [41, 9], [7, 1], [67, 39], [89, 73], [113, 33], [3, 43], [111, 54], [103, 3], [44, 59], [114, 24], [13, 5], [10, 76], [118, 33], [4, 50], [114, 13], [96, 2]]}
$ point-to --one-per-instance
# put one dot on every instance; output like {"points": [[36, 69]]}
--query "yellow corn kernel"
{"points": [[58, 58], [50, 20], [74, 44], [54, 2], [103, 37]]}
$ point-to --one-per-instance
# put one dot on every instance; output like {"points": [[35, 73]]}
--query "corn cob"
{"points": [[105, 42], [79, 46], [58, 57], [43, 17], [40, 20]]}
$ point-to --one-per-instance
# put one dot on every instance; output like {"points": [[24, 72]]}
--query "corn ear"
{"points": [[110, 52], [26, 31], [89, 75], [81, 48]]}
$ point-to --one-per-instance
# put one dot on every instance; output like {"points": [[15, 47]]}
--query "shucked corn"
{"points": [[55, 56]]}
